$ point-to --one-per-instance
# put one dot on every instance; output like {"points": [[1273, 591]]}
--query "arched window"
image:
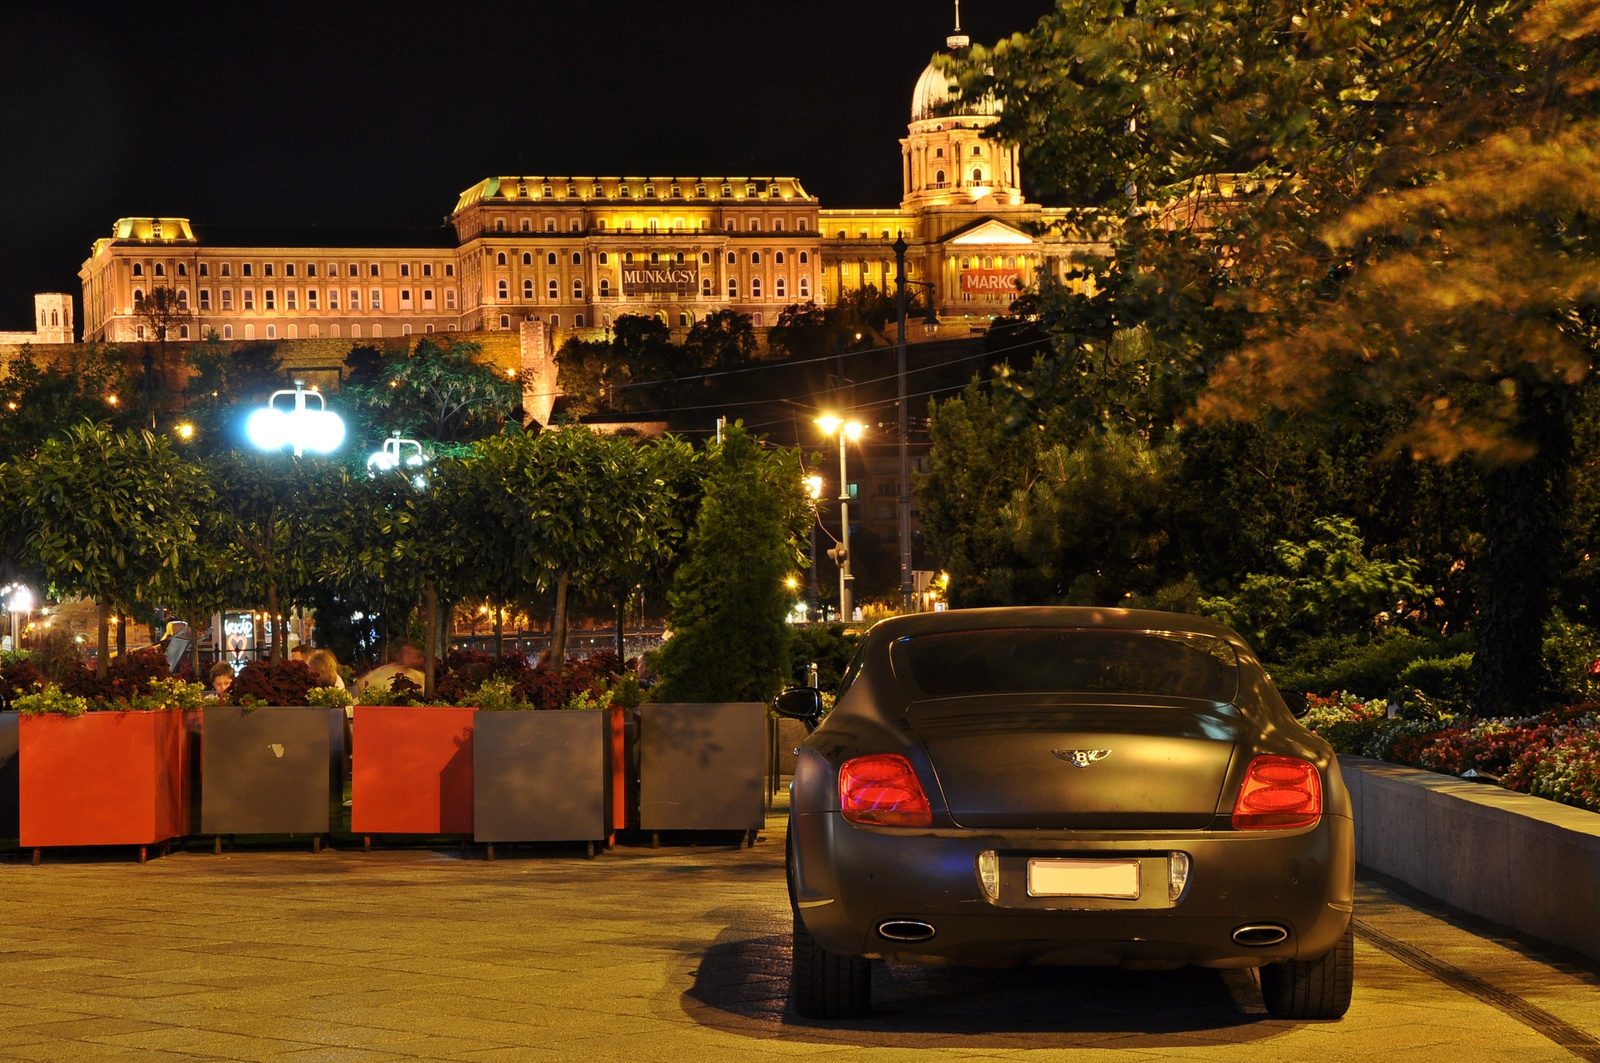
{"points": [[732, 258], [755, 258], [503, 289], [705, 287], [778, 257], [685, 319], [183, 299], [680, 256], [183, 332], [500, 259], [527, 258], [755, 225], [499, 225], [627, 258], [272, 332], [965, 262], [938, 177], [805, 287], [140, 333], [578, 321], [227, 332], [138, 296], [801, 225], [705, 258], [527, 288], [138, 269], [577, 258], [733, 288], [780, 288], [527, 225], [550, 259], [577, 287], [555, 320], [161, 271], [977, 176], [505, 320], [554, 288], [805, 257], [183, 271], [605, 287], [654, 257], [755, 287]]}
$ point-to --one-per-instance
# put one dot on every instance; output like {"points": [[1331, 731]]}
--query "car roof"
{"points": [[1052, 616]]}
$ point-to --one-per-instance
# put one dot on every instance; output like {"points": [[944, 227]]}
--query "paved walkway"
{"points": [[670, 954]]}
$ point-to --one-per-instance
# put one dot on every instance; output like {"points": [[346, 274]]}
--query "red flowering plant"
{"points": [[128, 676], [18, 676], [272, 683]]}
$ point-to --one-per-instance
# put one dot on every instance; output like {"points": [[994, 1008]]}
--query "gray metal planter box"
{"points": [[541, 776], [8, 775], [703, 766], [270, 770]]}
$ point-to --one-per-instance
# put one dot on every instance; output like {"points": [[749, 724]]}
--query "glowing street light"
{"points": [[393, 456], [302, 428], [851, 431]]}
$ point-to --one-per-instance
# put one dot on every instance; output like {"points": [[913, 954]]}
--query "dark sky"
{"points": [[379, 114]]}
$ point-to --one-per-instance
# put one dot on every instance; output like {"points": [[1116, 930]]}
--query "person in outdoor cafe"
{"points": [[404, 660]]}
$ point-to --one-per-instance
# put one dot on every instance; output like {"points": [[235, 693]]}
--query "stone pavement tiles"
{"points": [[673, 954]]}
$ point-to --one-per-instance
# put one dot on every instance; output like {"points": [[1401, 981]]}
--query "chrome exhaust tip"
{"points": [[905, 930], [1259, 935]]}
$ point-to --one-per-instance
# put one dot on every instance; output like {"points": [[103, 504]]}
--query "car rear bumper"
{"points": [[848, 880]]}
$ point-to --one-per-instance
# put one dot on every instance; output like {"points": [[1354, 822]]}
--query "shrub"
{"points": [[829, 646], [1369, 668], [330, 697], [272, 683], [18, 677], [1572, 653], [52, 699], [1443, 685], [128, 676]]}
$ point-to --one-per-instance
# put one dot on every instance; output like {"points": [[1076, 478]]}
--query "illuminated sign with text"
{"points": [[990, 281]]}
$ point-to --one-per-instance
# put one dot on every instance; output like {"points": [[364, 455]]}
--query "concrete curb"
{"points": [[1521, 861]]}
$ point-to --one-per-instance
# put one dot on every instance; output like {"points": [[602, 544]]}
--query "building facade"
{"points": [[577, 252], [52, 316]]}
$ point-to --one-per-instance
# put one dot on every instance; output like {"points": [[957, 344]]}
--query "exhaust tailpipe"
{"points": [[1258, 935], [905, 930]]}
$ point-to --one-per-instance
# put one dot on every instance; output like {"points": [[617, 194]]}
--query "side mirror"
{"points": [[800, 703], [1297, 701]]}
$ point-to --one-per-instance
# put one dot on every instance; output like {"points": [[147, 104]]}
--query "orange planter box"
{"points": [[412, 770], [103, 778]]}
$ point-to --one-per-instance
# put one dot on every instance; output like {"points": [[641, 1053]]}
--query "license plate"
{"points": [[1117, 879]]}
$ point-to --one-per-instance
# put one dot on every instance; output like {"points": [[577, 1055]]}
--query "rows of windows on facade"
{"points": [[578, 252]]}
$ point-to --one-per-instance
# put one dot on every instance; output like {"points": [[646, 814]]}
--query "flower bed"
{"points": [[1554, 755]]}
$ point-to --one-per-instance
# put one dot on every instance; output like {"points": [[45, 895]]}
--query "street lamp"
{"points": [[393, 456], [21, 601], [303, 428], [847, 431]]}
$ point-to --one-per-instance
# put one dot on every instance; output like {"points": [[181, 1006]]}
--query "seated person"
{"points": [[404, 659], [221, 679]]}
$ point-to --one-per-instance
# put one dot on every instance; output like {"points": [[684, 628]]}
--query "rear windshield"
{"points": [[1068, 660]]}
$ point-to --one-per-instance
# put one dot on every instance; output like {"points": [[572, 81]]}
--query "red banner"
{"points": [[990, 281]]}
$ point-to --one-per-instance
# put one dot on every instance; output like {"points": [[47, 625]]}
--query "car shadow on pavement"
{"points": [[741, 987]]}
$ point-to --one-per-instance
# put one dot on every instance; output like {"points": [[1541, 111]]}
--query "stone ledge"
{"points": [[1522, 861]]}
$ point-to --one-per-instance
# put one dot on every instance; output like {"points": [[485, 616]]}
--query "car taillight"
{"points": [[1278, 792], [883, 789]]}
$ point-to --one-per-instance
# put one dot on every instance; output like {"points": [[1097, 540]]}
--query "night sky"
{"points": [[379, 114]]}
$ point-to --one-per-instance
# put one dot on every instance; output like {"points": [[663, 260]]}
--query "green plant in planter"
{"points": [[169, 694], [588, 699], [330, 698], [497, 694], [50, 699]]}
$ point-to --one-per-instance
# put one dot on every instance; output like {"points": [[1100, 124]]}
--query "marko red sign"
{"points": [[990, 281]]}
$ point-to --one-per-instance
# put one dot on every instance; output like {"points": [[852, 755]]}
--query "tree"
{"points": [[634, 369], [720, 341], [39, 397], [805, 330], [284, 515], [110, 514], [1351, 209], [729, 603], [224, 382], [165, 313], [439, 394]]}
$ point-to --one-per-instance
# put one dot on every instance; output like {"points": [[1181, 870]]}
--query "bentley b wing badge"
{"points": [[1081, 758]]}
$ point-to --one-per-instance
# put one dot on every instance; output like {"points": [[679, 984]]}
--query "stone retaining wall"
{"points": [[1521, 861]]}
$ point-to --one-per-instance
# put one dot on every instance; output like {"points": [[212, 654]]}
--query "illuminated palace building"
{"points": [[577, 252]]}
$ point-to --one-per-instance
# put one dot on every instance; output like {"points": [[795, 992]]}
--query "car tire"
{"points": [[1312, 989], [825, 985]]}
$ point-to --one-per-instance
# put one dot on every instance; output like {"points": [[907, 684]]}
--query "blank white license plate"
{"points": [[1084, 878]]}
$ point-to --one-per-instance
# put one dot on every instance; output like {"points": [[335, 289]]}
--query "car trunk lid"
{"points": [[1078, 762]]}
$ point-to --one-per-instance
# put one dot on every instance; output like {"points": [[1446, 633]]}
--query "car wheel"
{"points": [[825, 985], [1312, 989]]}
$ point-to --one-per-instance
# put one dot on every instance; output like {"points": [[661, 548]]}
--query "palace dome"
{"points": [[935, 89]]}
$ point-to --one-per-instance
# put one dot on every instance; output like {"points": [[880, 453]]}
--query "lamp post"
{"points": [[303, 428], [907, 583], [813, 592], [847, 430]]}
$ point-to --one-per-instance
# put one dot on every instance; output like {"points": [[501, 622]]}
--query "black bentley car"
{"points": [[1066, 786]]}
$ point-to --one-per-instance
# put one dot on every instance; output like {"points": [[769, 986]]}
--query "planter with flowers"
{"points": [[271, 762], [112, 776], [411, 770], [541, 776]]}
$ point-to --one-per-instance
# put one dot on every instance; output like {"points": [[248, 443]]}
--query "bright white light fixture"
{"points": [[303, 428], [393, 455], [21, 600]]}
